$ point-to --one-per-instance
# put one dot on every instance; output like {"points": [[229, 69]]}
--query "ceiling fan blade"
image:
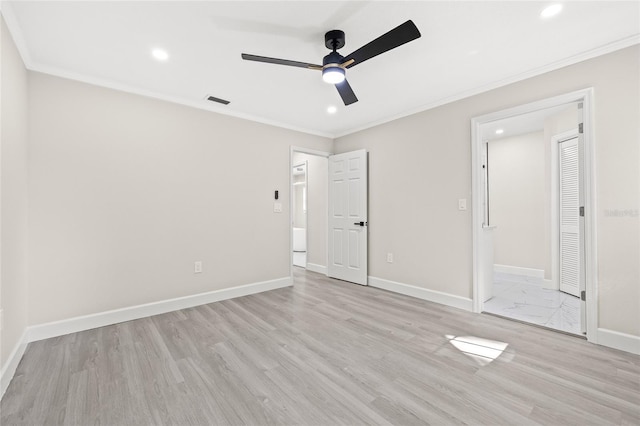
{"points": [[277, 61], [398, 36], [346, 93]]}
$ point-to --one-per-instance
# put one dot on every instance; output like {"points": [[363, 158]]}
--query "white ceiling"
{"points": [[465, 48]]}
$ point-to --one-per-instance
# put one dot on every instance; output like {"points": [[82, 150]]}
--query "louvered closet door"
{"points": [[570, 253]]}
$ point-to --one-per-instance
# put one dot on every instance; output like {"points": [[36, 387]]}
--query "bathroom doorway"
{"points": [[522, 176], [521, 256]]}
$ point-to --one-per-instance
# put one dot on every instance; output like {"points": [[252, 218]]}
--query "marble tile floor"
{"points": [[524, 298]]}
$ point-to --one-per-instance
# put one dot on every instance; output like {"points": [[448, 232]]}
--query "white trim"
{"points": [[423, 293], [518, 270], [16, 33], [590, 224], [586, 97], [594, 53], [622, 341], [101, 319], [310, 151], [313, 267], [10, 367]]}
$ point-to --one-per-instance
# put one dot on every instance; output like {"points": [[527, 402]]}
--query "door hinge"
{"points": [[581, 128], [581, 211], [583, 295]]}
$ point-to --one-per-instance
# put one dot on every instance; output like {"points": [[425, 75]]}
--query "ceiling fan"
{"points": [[334, 64]]}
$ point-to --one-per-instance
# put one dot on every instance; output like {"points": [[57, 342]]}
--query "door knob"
{"points": [[360, 223]]}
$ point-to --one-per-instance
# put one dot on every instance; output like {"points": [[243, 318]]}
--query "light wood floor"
{"points": [[324, 352]]}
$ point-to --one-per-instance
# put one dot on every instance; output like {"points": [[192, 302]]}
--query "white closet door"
{"points": [[570, 239]]}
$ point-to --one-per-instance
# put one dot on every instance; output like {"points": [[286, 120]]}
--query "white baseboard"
{"points": [[550, 284], [101, 319], [517, 270], [423, 293], [10, 367], [317, 268], [615, 339]]}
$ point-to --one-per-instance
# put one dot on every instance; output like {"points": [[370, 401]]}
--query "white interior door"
{"points": [[348, 217], [570, 223]]}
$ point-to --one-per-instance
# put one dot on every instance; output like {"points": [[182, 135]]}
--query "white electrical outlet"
{"points": [[462, 204], [390, 257], [197, 267]]}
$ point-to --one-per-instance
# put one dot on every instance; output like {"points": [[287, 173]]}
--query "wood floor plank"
{"points": [[323, 352]]}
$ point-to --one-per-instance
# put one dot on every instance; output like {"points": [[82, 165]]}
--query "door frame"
{"points": [[584, 96], [292, 150]]}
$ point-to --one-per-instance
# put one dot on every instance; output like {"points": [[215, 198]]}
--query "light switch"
{"points": [[277, 207], [462, 204]]}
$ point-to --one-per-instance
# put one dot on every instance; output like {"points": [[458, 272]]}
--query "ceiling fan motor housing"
{"points": [[334, 39], [332, 58]]}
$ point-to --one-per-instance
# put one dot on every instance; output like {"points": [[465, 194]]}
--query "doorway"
{"points": [[525, 160], [308, 209], [299, 212], [333, 211]]}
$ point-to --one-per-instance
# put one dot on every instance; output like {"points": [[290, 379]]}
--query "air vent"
{"points": [[218, 100]]}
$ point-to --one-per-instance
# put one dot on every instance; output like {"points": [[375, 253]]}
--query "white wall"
{"points": [[517, 194], [13, 195], [317, 196], [421, 164], [555, 124], [126, 192]]}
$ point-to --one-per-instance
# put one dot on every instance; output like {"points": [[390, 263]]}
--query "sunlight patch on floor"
{"points": [[481, 350]]}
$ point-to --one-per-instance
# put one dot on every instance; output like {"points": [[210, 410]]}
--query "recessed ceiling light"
{"points": [[550, 11], [160, 54], [499, 131], [332, 109]]}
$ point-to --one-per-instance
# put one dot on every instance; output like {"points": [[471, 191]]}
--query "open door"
{"points": [[570, 247], [348, 217]]}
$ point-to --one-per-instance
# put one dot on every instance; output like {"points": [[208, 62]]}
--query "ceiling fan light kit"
{"points": [[333, 74], [334, 65]]}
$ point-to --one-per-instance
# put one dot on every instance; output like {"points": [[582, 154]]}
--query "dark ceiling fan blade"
{"points": [[398, 36], [346, 93], [277, 61]]}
